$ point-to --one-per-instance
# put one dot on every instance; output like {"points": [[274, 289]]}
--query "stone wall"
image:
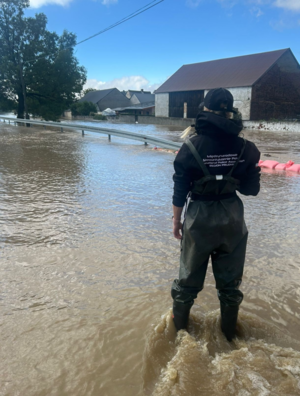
{"points": [[182, 123], [68, 115], [162, 105], [126, 119], [83, 118]]}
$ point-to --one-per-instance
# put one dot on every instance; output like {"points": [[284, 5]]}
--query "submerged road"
{"points": [[87, 261]]}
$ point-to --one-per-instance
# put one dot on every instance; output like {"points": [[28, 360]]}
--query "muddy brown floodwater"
{"points": [[87, 261]]}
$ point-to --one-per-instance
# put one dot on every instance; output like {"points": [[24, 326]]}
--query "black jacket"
{"points": [[218, 144]]}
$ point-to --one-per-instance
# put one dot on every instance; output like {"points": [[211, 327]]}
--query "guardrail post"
{"points": [[82, 132], [109, 138]]}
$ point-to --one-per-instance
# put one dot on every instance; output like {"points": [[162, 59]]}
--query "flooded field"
{"points": [[88, 258]]}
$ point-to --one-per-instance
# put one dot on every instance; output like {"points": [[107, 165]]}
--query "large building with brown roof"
{"points": [[265, 86]]}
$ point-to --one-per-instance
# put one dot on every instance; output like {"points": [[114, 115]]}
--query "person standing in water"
{"points": [[209, 168]]}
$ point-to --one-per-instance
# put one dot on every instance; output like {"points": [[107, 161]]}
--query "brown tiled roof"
{"points": [[241, 71]]}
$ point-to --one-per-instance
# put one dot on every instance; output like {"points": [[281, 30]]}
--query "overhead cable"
{"points": [[147, 7], [133, 15]]}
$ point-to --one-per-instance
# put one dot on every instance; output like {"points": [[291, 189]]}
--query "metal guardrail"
{"points": [[162, 143]]}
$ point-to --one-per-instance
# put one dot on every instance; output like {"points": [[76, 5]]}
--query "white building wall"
{"points": [[162, 105], [242, 100], [68, 114]]}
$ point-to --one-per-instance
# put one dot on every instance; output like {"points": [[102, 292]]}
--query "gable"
{"points": [[96, 96], [142, 98]]}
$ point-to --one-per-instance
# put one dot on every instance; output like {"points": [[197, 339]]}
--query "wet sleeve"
{"points": [[182, 179], [250, 182]]}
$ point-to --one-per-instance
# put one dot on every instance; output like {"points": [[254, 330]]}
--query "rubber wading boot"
{"points": [[229, 315], [181, 314]]}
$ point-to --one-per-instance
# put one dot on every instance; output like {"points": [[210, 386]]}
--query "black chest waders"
{"points": [[214, 226]]}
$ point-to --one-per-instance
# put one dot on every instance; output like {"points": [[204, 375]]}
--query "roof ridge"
{"points": [[106, 89], [239, 56], [238, 71]]}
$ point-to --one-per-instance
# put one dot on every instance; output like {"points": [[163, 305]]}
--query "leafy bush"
{"points": [[100, 117], [83, 108]]}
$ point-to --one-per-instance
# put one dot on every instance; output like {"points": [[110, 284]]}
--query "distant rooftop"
{"points": [[96, 96], [140, 91], [145, 98]]}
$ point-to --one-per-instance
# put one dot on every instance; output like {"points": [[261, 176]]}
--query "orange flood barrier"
{"points": [[290, 166]]}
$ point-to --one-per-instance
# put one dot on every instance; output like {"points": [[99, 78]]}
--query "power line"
{"points": [[133, 15], [120, 22]]}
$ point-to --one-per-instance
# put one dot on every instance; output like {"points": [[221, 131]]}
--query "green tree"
{"points": [[7, 102], [83, 108], [38, 68]]}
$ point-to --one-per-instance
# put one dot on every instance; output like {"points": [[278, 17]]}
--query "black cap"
{"points": [[219, 99]]}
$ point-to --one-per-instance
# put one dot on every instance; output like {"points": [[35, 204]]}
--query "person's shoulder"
{"points": [[183, 152], [251, 145], [251, 148], [195, 138]]}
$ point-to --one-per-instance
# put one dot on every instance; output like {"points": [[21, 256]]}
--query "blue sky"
{"points": [[145, 51]]}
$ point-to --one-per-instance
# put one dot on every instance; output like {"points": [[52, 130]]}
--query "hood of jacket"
{"points": [[211, 123]]}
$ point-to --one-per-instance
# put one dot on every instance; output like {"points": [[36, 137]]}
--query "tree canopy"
{"points": [[83, 108], [38, 69]]}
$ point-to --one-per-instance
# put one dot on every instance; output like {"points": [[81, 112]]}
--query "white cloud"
{"points": [[228, 3], [259, 13], [108, 2], [123, 83], [256, 11], [193, 3], [40, 3], [293, 5], [279, 25]]}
